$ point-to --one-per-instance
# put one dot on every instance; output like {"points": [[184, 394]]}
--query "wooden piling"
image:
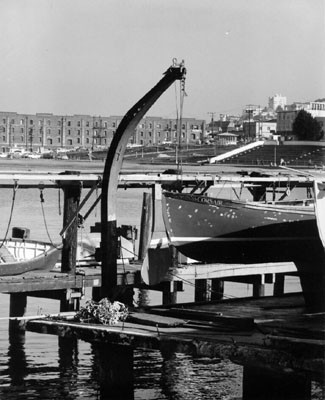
{"points": [[217, 289], [169, 293], [72, 192], [145, 225], [258, 287], [17, 308], [202, 290], [278, 288]]}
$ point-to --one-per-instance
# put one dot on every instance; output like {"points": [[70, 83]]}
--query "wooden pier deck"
{"points": [[272, 335]]}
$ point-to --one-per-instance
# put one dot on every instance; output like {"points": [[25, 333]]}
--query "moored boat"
{"points": [[18, 256], [210, 229], [225, 231]]}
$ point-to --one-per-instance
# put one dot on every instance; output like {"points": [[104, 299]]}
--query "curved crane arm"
{"points": [[115, 155]]}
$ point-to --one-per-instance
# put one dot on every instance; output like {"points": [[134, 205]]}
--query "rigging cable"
{"points": [[15, 188]]}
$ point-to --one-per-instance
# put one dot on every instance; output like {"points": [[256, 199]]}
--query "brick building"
{"points": [[48, 131]]}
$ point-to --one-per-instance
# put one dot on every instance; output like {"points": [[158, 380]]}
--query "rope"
{"points": [[44, 219], [15, 188]]}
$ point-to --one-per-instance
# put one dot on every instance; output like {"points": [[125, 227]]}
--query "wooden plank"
{"points": [[155, 320], [211, 271]]}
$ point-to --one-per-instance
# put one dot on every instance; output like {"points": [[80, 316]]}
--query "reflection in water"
{"points": [[17, 364], [68, 364], [181, 377], [113, 370]]}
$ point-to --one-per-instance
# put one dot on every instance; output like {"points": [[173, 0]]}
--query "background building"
{"points": [[47, 131], [286, 117]]}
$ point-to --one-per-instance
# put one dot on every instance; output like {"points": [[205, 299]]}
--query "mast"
{"points": [[112, 168]]}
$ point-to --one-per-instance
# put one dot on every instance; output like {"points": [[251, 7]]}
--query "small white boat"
{"points": [[18, 256]]}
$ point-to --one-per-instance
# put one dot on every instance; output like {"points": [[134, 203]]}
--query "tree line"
{"points": [[306, 127]]}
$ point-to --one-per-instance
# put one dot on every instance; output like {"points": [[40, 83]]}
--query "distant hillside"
{"points": [[320, 100]]}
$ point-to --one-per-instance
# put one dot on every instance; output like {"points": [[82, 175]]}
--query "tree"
{"points": [[306, 127]]}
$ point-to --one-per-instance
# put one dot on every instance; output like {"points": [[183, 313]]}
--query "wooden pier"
{"points": [[275, 339], [280, 346]]}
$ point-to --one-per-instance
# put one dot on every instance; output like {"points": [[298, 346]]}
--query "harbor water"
{"points": [[39, 366]]}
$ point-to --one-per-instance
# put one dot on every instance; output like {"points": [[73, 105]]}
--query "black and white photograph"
{"points": [[162, 192]]}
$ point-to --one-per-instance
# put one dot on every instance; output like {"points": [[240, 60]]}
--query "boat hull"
{"points": [[217, 230], [20, 256], [222, 231]]}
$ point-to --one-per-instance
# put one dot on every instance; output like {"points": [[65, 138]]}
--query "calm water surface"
{"points": [[44, 367]]}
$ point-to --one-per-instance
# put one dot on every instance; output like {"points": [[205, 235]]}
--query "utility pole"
{"points": [[212, 133]]}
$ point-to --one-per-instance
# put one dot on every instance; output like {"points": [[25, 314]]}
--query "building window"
{"points": [[12, 121], [4, 120], [105, 124], [49, 141], [22, 138], [21, 130], [79, 123], [69, 132], [4, 138], [69, 123], [87, 140], [79, 132], [87, 132], [59, 140], [48, 122], [59, 123], [78, 140], [87, 123], [59, 131], [21, 122], [69, 142], [31, 122]]}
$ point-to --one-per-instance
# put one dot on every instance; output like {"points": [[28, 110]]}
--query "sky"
{"points": [[99, 57]]}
